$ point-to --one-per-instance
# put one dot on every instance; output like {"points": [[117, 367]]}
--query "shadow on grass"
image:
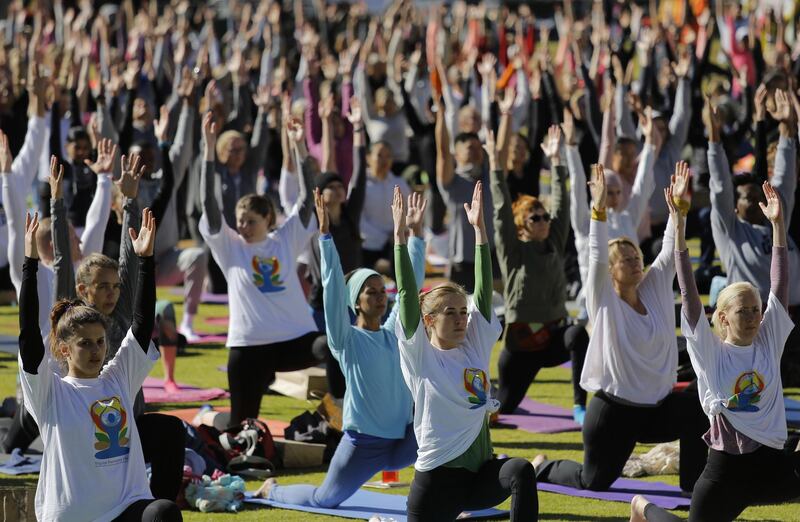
{"points": [[558, 446]]}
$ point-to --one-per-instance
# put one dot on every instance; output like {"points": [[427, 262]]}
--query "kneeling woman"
{"points": [[445, 345], [632, 360], [93, 467], [378, 433], [739, 382], [271, 328]]}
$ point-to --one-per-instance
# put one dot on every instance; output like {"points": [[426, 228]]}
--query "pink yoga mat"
{"points": [[217, 321], [210, 338], [154, 391], [536, 417], [623, 490]]}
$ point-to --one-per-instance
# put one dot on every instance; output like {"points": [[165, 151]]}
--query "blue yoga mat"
{"points": [[365, 504], [792, 412]]}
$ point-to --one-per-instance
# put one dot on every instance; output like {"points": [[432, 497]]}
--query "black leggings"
{"points": [[252, 368], [518, 369], [443, 493], [151, 511], [163, 439], [730, 483], [611, 430]]}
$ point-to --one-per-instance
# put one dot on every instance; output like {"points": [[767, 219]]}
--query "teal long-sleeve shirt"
{"points": [[377, 401]]}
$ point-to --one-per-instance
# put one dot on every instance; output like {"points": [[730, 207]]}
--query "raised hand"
{"points": [[681, 69], [680, 180], [713, 122], [568, 128], [161, 124], [486, 67], [106, 149], [677, 216], [552, 142], [212, 93], [262, 97], [31, 226], [415, 216], [507, 103], [6, 159], [132, 170], [56, 178], [783, 111], [760, 103], [399, 217], [187, 85], [326, 106], [597, 186], [355, 117], [773, 209], [294, 129], [491, 150], [144, 241], [131, 75], [322, 212], [474, 210], [209, 136]]}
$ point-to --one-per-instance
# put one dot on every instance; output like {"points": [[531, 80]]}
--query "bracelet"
{"points": [[358, 129], [598, 215], [682, 205]]}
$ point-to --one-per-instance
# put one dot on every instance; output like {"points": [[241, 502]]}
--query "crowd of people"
{"points": [[313, 150]]}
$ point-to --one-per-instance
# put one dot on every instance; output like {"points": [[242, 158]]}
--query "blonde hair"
{"points": [[724, 299], [430, 301], [224, 139], [615, 245], [90, 264]]}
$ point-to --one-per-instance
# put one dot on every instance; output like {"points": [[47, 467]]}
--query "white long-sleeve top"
{"points": [[631, 356], [620, 224]]}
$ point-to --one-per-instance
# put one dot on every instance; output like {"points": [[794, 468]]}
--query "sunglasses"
{"points": [[540, 217]]}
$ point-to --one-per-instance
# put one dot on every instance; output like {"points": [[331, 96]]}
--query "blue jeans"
{"points": [[358, 457]]}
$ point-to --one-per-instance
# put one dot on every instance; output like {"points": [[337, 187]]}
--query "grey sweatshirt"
{"points": [[745, 248]]}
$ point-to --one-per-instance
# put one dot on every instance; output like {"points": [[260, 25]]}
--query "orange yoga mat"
{"points": [[276, 427]]}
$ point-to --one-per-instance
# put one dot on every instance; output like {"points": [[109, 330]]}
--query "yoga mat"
{"points": [[365, 504], [154, 392], [792, 412], [19, 464], [210, 338], [9, 344], [206, 297], [536, 417], [623, 490], [187, 415], [217, 321]]}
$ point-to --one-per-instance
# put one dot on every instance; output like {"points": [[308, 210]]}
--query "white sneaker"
{"points": [[189, 333]]}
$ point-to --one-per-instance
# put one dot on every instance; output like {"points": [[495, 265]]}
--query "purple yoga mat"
{"points": [[154, 391], [623, 490], [536, 417]]}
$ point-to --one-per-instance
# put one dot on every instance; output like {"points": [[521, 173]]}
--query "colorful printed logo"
{"points": [[267, 274], [746, 392], [477, 385], [111, 428]]}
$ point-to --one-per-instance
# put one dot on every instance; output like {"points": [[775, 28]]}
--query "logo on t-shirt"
{"points": [[267, 274], [110, 428], [746, 392], [477, 385]]}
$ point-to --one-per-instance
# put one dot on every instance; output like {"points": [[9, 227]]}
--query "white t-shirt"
{"points": [[743, 383], [93, 466], [267, 304], [631, 356], [451, 388]]}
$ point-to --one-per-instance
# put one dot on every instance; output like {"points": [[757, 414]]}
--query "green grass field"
{"points": [[199, 367]]}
